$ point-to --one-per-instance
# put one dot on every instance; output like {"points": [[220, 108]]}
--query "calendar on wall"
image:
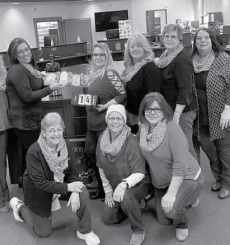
{"points": [[125, 28]]}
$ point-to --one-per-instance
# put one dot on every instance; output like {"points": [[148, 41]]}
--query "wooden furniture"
{"points": [[65, 55]]}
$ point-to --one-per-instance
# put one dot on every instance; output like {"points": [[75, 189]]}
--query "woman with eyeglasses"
{"points": [[178, 85], [103, 81], [141, 76], [175, 173], [25, 89], [50, 173], [212, 78], [122, 169]]}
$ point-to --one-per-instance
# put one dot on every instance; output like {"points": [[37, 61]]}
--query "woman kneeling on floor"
{"points": [[49, 161], [122, 170], [175, 173]]}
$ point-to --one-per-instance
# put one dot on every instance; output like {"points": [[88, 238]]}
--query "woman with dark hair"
{"points": [[25, 88], [177, 81], [103, 81], [141, 76], [175, 173], [51, 172], [212, 78], [4, 126]]}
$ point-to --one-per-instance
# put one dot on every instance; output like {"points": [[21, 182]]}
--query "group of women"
{"points": [[139, 138]]}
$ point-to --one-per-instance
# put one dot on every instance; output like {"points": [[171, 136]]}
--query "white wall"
{"points": [[17, 20]]}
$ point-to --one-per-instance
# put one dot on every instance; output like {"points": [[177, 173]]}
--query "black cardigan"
{"points": [[146, 80], [177, 82], [38, 182]]}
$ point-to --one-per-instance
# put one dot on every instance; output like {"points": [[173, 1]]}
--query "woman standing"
{"points": [[122, 170], [50, 164], [104, 82], [175, 173], [141, 76], [212, 77], [177, 81], [25, 88], [4, 125]]}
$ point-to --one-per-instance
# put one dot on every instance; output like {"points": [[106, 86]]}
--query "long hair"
{"points": [[159, 98], [216, 47], [140, 39], [108, 60], [12, 50]]}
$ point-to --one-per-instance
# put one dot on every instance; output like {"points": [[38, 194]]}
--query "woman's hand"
{"points": [[101, 107], [74, 200], [75, 186], [119, 194], [109, 199], [56, 86], [167, 202], [225, 117]]}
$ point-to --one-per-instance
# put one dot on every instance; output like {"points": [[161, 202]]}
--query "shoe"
{"points": [[137, 239], [216, 186], [181, 234], [224, 193], [4, 209], [90, 238], [15, 204], [195, 204]]}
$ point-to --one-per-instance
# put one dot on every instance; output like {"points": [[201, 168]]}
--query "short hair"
{"points": [[108, 59], [12, 50], [51, 118], [159, 98], [138, 38], [173, 27], [216, 47]]}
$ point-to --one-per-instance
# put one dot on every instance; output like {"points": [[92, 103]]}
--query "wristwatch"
{"points": [[127, 185]]}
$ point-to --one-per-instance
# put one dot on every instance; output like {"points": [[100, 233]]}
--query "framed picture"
{"points": [[117, 46]]}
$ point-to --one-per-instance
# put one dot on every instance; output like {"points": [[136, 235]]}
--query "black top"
{"points": [[177, 79], [147, 79], [38, 181], [200, 81]]}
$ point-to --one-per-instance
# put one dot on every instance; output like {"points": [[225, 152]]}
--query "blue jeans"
{"points": [[186, 123], [218, 153], [4, 191], [187, 194], [129, 207], [41, 226]]}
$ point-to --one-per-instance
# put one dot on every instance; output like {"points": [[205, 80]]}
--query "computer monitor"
{"points": [[195, 24], [50, 40], [223, 39]]}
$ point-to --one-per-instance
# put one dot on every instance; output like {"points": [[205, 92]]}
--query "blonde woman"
{"points": [[141, 76], [4, 125], [104, 81]]}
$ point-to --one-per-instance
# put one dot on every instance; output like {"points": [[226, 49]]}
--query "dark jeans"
{"points": [[41, 226], [187, 194], [218, 153], [186, 123], [129, 207], [4, 191]]}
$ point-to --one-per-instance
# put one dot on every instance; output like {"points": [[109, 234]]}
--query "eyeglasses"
{"points": [[53, 131], [155, 110], [99, 55], [117, 119], [172, 37]]}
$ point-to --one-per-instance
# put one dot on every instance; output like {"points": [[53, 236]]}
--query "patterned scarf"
{"points": [[149, 142], [205, 65], [115, 147], [3, 73], [34, 72], [130, 71], [166, 58], [56, 163]]}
